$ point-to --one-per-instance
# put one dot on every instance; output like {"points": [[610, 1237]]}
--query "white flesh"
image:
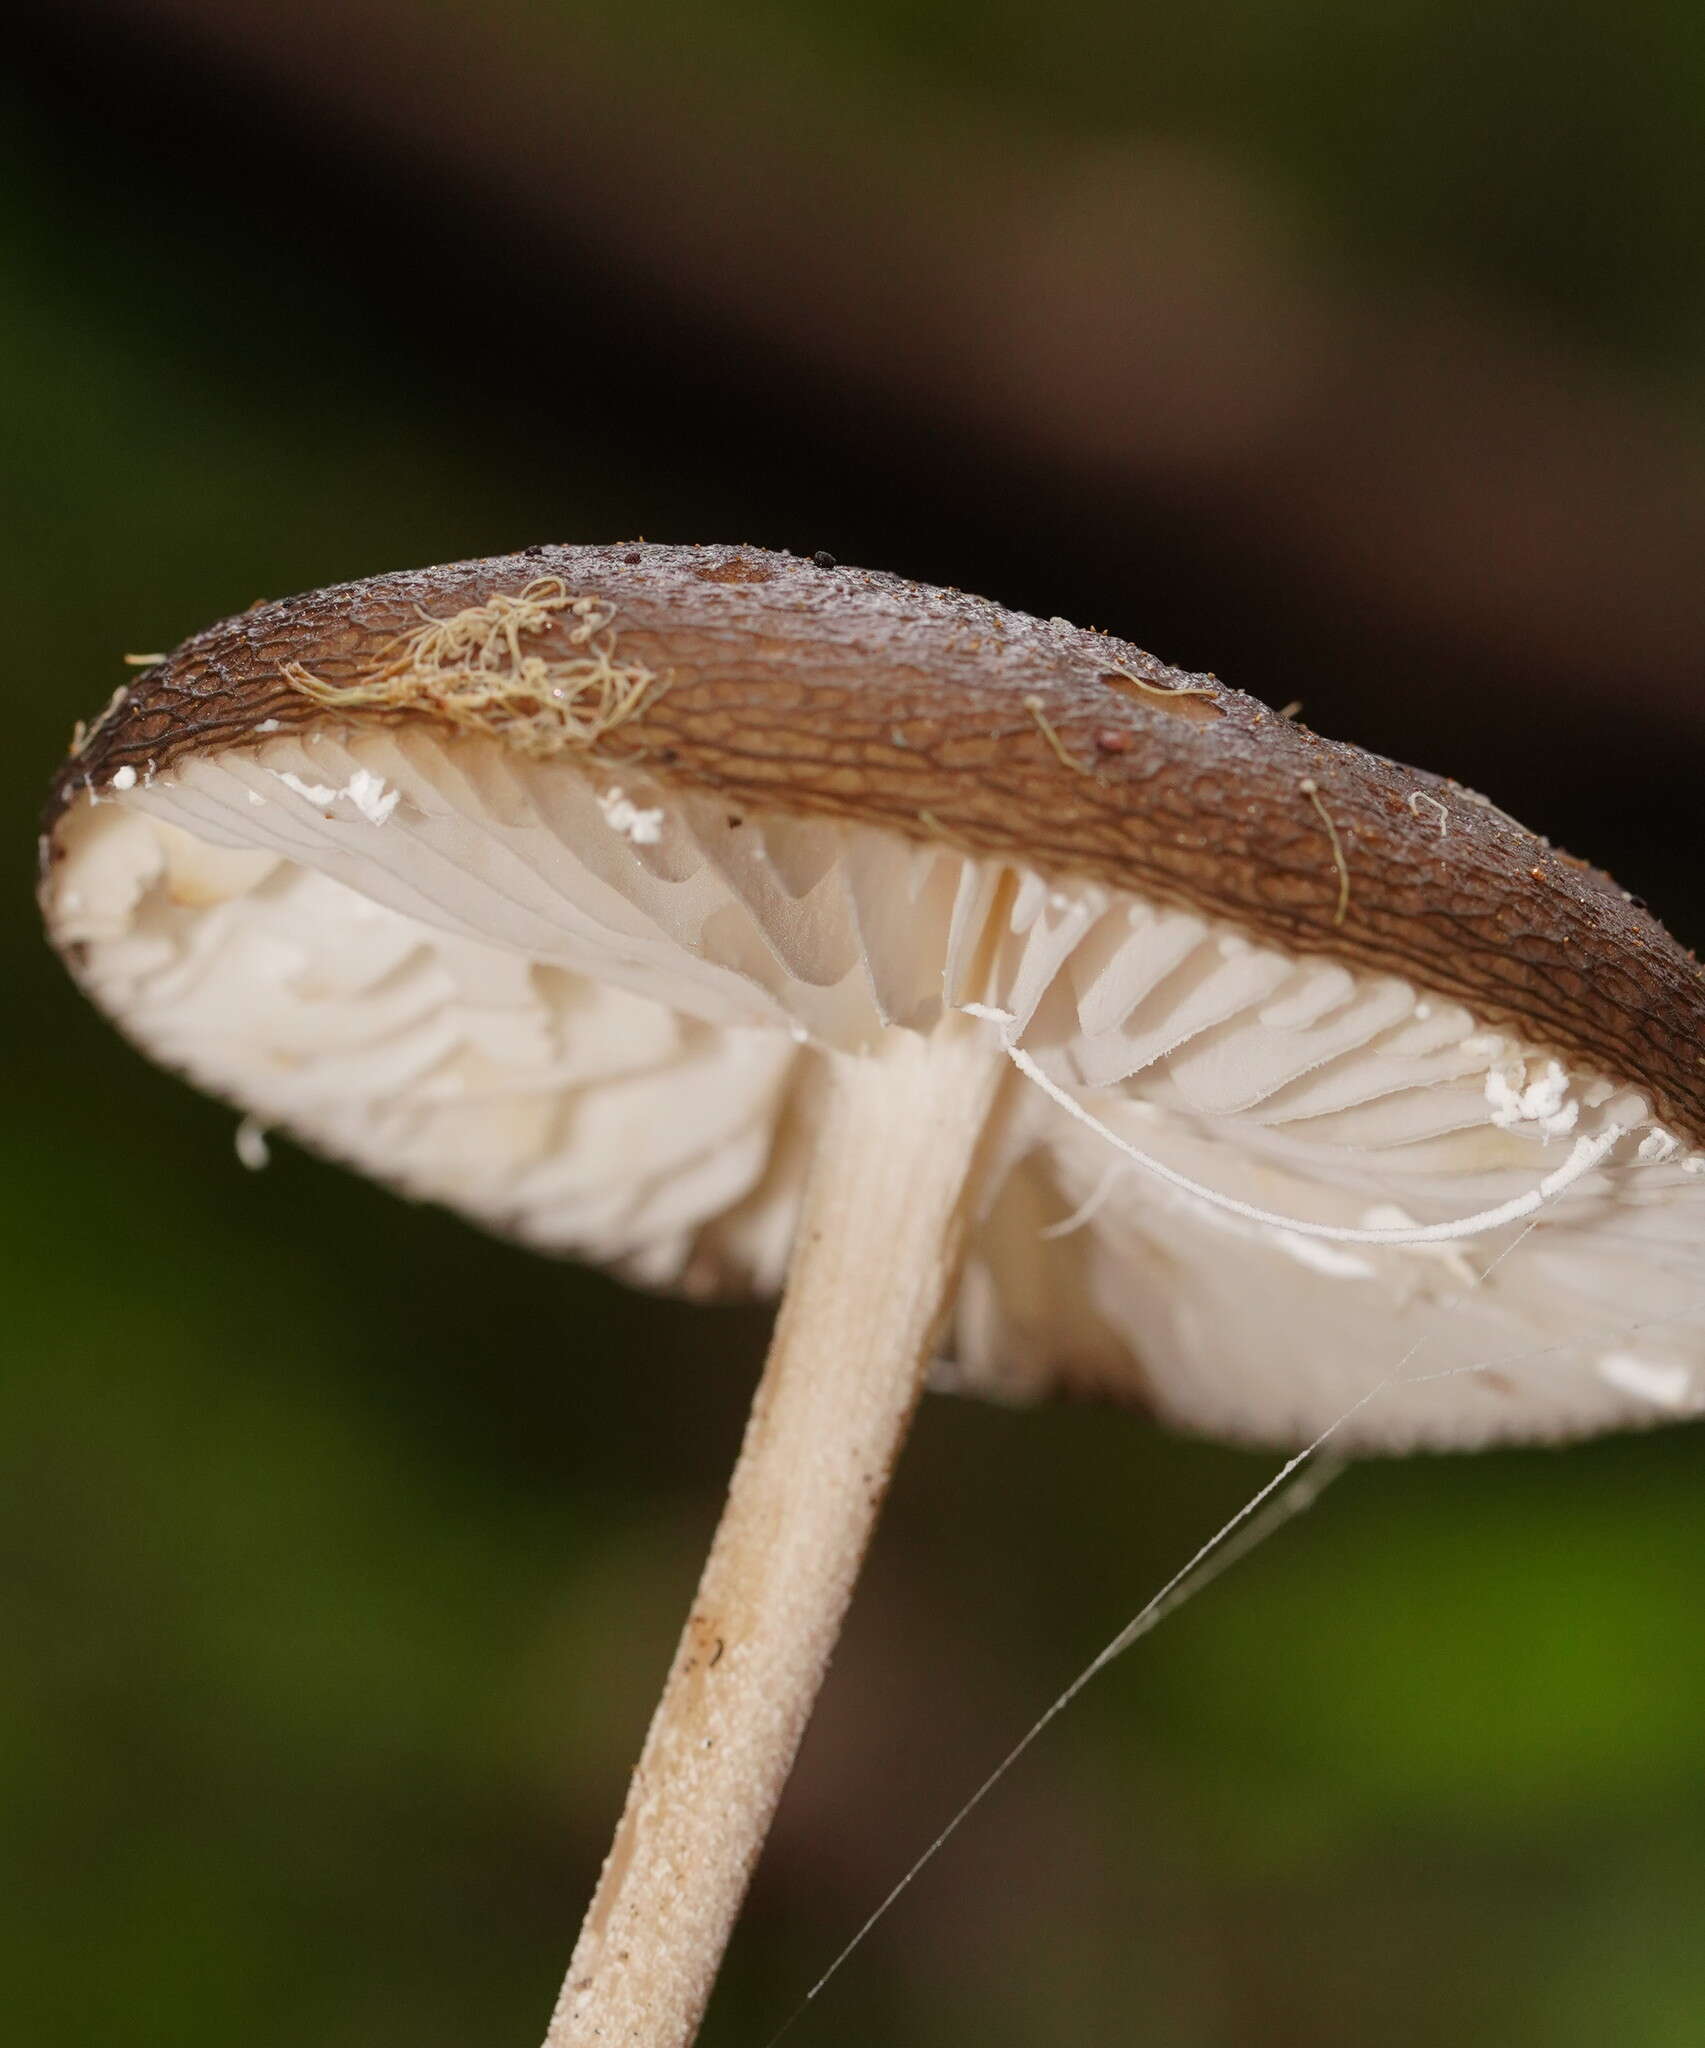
{"points": [[596, 1015]]}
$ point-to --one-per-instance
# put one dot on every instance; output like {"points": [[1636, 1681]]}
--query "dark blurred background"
{"points": [[1355, 353]]}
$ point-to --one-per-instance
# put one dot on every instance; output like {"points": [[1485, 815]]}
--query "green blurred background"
{"points": [[1354, 352]]}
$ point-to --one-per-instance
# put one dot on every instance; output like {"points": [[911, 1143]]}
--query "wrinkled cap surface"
{"points": [[548, 886]]}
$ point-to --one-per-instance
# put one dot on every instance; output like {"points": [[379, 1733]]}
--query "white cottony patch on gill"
{"points": [[1515, 1101], [644, 827], [364, 789], [1665, 1386], [367, 792], [1658, 1146], [316, 793]]}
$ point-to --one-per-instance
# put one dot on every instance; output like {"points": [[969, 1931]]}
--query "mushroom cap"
{"points": [[542, 885]]}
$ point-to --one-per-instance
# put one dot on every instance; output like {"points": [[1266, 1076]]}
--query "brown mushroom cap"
{"points": [[852, 693], [606, 847]]}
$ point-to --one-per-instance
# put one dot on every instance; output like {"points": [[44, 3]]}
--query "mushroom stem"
{"points": [[874, 1265]]}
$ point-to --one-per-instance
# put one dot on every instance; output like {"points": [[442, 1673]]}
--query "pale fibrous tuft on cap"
{"points": [[541, 886], [477, 672]]}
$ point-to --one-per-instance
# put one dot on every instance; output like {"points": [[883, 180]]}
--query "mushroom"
{"points": [[1025, 1012]]}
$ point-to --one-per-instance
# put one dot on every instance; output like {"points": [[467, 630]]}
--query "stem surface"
{"points": [[874, 1264]]}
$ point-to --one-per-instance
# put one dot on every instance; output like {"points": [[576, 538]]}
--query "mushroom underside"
{"points": [[588, 1009]]}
